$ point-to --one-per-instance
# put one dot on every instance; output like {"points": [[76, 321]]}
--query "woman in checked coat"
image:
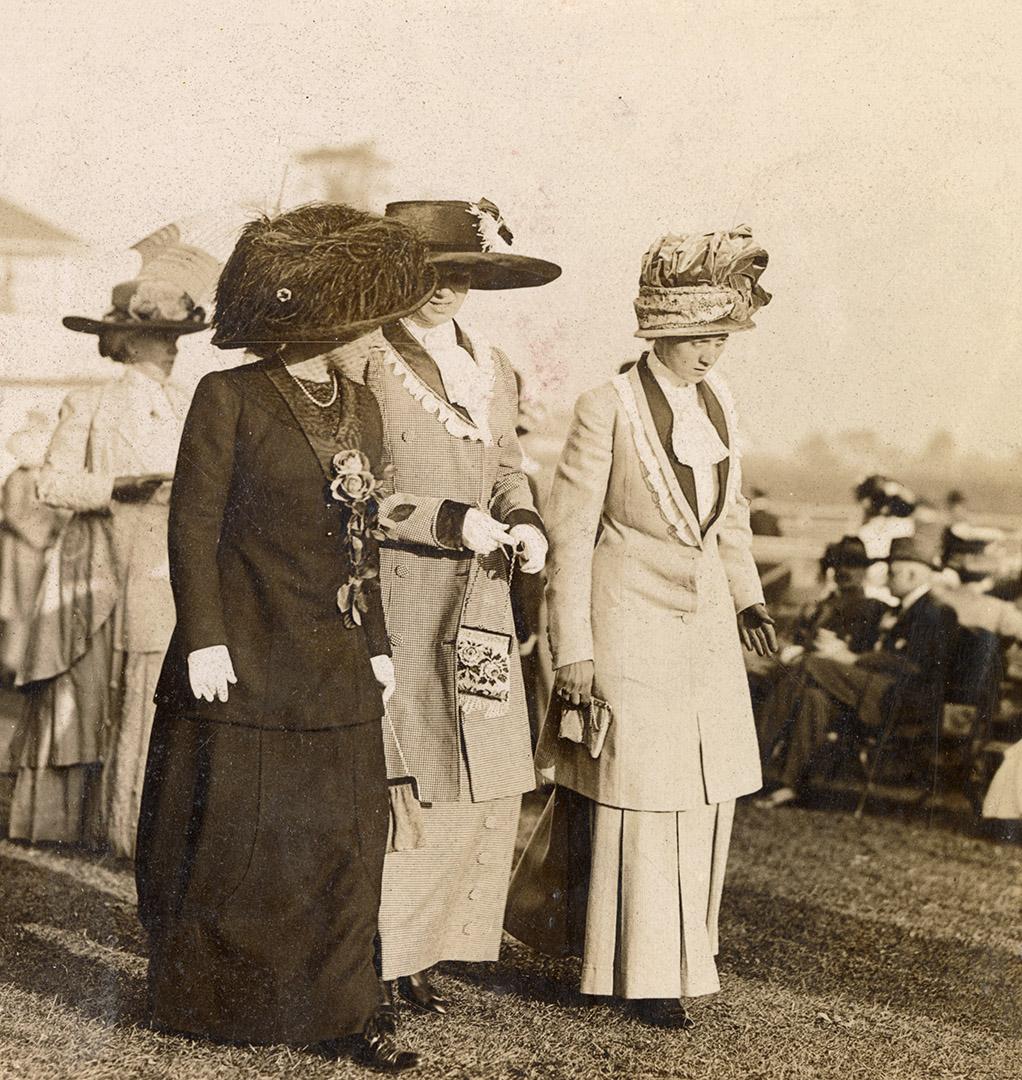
{"points": [[650, 563], [461, 507]]}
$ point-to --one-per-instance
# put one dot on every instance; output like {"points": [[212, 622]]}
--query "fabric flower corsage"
{"points": [[161, 301], [355, 486]]}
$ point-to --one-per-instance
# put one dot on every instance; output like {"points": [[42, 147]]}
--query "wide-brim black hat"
{"points": [[472, 238], [849, 551], [320, 273], [145, 304]]}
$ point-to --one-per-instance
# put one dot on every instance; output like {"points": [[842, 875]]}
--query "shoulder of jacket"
{"points": [[599, 399]]}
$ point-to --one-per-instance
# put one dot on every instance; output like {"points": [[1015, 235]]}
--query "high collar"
{"points": [[918, 592], [432, 337]]}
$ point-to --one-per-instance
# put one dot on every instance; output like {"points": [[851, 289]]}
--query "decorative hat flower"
{"points": [[160, 301], [494, 234]]}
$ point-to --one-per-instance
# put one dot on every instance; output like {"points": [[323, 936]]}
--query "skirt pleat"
{"points": [[654, 900]]}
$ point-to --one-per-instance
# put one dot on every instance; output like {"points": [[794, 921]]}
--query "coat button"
{"points": [[474, 894], [401, 570], [468, 929], [396, 639], [408, 436], [503, 440], [482, 858], [491, 821]]}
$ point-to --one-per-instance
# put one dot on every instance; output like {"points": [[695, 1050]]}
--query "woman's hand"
{"points": [[132, 489], [210, 671], [756, 628], [532, 546], [573, 683], [383, 669], [483, 534]]}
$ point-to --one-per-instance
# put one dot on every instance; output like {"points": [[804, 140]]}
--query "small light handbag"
{"points": [[586, 724]]}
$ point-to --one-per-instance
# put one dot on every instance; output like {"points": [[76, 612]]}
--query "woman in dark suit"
{"points": [[264, 815]]}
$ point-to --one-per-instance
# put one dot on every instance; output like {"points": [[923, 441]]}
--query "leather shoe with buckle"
{"points": [[418, 991], [377, 1048]]}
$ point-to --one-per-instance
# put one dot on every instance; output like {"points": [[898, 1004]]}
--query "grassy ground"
{"points": [[851, 949]]}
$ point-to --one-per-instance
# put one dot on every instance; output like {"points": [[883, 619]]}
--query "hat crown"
{"points": [[848, 551], [454, 225], [318, 273], [694, 283]]}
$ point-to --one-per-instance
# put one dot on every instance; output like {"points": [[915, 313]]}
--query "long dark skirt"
{"points": [[259, 865]]}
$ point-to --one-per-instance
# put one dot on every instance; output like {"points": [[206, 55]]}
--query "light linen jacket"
{"points": [[636, 585], [112, 556]]}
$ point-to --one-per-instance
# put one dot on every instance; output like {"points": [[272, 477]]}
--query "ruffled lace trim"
{"points": [[652, 473], [435, 406]]}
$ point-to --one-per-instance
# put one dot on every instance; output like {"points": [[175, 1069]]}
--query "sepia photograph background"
{"points": [[875, 150]]}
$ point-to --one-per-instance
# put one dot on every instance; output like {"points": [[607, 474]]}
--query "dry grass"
{"points": [[852, 949]]}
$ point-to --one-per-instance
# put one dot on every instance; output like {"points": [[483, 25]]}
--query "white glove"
{"points": [[383, 669], [533, 548], [209, 672], [483, 534]]}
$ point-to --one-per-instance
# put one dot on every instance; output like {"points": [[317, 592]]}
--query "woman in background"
{"points": [[105, 609]]}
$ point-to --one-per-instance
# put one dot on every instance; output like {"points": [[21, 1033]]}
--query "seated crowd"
{"points": [[857, 671]]}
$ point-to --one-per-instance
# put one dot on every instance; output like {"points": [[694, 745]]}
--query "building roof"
{"points": [[22, 233]]}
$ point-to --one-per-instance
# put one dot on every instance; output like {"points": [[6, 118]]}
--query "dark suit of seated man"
{"points": [[844, 615], [907, 670]]}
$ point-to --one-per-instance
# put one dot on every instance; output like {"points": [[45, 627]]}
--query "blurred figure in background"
{"points": [[106, 611], [27, 530], [844, 616], [907, 669], [887, 507], [970, 567], [762, 519]]}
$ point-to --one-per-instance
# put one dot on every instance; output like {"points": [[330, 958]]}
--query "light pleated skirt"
{"points": [[445, 900], [654, 900]]}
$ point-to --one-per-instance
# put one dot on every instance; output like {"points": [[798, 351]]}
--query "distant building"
{"points": [[31, 254], [347, 174]]}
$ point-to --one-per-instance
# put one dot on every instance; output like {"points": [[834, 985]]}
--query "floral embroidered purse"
{"points": [[483, 672]]}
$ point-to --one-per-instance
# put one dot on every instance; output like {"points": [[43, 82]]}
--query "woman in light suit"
{"points": [[650, 562]]}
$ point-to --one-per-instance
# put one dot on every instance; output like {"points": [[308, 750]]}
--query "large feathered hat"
{"points": [[696, 285], [472, 238], [320, 273]]}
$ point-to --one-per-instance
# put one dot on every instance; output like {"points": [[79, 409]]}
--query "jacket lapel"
{"points": [[657, 418], [423, 365], [716, 414]]}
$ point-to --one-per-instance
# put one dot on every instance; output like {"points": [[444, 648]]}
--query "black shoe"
{"points": [[664, 1013], [418, 991], [376, 1047]]}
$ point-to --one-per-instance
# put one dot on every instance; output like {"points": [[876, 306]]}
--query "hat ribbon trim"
{"points": [[433, 405], [665, 503]]}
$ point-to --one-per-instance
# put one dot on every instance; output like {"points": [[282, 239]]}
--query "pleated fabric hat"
{"points": [[700, 285], [323, 272]]}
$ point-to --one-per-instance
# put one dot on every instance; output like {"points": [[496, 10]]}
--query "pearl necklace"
{"points": [[312, 397]]}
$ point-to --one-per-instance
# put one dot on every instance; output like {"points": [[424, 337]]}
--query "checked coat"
{"points": [[433, 588]]}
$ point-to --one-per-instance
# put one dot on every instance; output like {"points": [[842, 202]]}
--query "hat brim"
{"points": [[327, 335], [714, 329], [497, 269], [82, 325]]}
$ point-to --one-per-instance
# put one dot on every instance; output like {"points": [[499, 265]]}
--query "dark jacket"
{"points": [[851, 615], [257, 554], [918, 650]]}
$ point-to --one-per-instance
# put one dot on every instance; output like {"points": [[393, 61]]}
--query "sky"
{"points": [[874, 148]]}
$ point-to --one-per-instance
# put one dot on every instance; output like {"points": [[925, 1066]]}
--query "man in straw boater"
{"points": [[460, 524], [265, 808]]}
